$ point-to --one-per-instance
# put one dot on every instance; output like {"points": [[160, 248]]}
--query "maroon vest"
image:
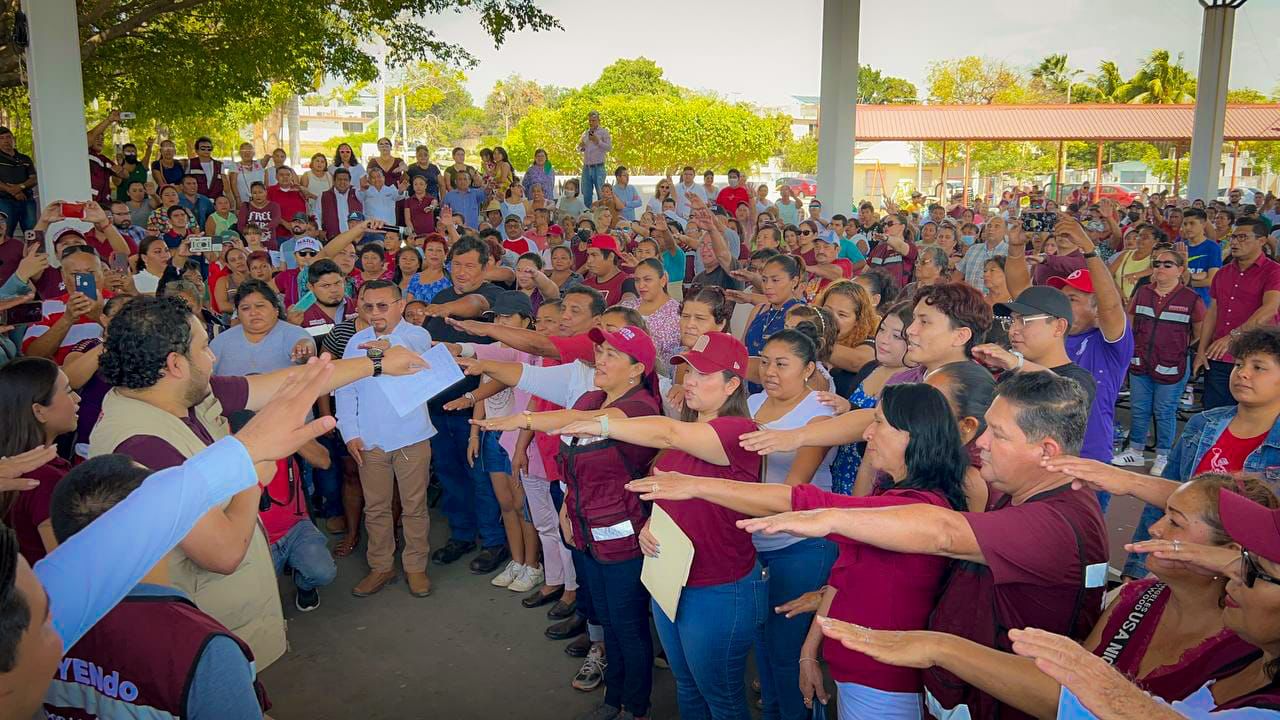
{"points": [[1162, 333], [329, 210], [606, 517], [141, 654], [212, 191]]}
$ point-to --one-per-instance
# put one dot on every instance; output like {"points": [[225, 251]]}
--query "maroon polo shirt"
{"points": [[900, 267], [11, 250], [1237, 293], [231, 390], [31, 508]]}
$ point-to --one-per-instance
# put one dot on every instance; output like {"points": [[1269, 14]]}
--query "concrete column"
{"points": [[1211, 97], [839, 89], [57, 100]]}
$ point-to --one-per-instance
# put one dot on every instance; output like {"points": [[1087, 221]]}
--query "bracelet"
{"points": [[812, 660], [528, 420], [604, 426], [1091, 254]]}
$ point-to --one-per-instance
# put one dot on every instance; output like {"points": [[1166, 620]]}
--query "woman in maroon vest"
{"points": [[599, 518], [1164, 633]]}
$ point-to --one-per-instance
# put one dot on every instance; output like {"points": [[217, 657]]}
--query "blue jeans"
{"points": [[1146, 396], [493, 457], [621, 602], [708, 644], [1135, 566], [305, 550], [793, 571], [468, 502], [1217, 385], [592, 179], [20, 212], [327, 482]]}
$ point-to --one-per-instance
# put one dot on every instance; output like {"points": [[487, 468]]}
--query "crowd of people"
{"points": [[890, 436]]}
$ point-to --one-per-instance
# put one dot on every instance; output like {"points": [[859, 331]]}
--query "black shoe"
{"points": [[579, 647], [451, 552], [562, 610], [537, 598], [573, 627], [490, 559], [307, 600]]}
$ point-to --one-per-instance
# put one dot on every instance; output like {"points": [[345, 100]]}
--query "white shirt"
{"points": [[381, 204], [145, 282], [682, 199], [779, 465], [564, 384], [363, 409], [340, 202]]}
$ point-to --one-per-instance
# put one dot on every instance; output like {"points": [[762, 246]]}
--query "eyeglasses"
{"points": [[1252, 573], [1242, 237], [306, 253], [1165, 264], [888, 225], [204, 147], [806, 233], [1020, 320], [380, 307], [73, 249]]}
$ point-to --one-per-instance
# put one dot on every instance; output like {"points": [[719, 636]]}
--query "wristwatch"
{"points": [[1091, 254], [375, 354], [1021, 360]]}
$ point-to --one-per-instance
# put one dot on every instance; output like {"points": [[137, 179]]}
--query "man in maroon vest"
{"points": [[207, 170], [337, 203], [155, 651]]}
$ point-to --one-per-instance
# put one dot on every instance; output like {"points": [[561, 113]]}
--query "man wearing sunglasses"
{"points": [[207, 170]]}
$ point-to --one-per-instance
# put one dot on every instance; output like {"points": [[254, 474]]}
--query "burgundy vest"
{"points": [[606, 517], [211, 191], [141, 655], [329, 210], [1162, 333]]}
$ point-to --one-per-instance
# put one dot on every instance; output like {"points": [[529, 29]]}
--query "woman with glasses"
{"points": [[392, 167], [931, 269], [806, 239], [664, 189], [1167, 319], [1165, 633], [1130, 266], [345, 157], [895, 253]]}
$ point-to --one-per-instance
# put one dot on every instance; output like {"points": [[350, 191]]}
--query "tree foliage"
{"points": [[510, 100], [1161, 81], [974, 80], [639, 76], [800, 155], [875, 88]]}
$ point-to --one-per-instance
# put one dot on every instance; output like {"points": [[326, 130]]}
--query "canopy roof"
{"points": [[1151, 123]]}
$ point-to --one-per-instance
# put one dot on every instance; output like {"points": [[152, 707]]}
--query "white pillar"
{"points": [[57, 100], [839, 89], [1211, 97]]}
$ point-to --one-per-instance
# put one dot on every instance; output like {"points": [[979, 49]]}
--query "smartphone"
{"points": [[199, 244], [73, 210], [128, 116], [1039, 222], [305, 302], [87, 283], [24, 313], [120, 262]]}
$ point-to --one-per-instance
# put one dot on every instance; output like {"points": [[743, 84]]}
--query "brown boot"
{"points": [[373, 582], [419, 584]]}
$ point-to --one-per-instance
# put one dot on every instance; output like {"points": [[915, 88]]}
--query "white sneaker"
{"points": [[508, 575], [529, 579], [1129, 457], [1157, 467]]}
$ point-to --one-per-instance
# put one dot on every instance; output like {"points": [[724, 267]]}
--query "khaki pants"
{"points": [[378, 478]]}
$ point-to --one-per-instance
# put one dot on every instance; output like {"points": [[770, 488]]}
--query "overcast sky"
{"points": [[766, 51]]}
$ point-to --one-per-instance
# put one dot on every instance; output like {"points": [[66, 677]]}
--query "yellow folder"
{"points": [[666, 574]]}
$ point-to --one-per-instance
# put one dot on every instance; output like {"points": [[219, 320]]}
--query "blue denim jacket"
{"points": [[1203, 430]]}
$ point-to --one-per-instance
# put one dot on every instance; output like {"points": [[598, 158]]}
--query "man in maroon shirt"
{"points": [[1036, 558], [603, 273], [1245, 293]]}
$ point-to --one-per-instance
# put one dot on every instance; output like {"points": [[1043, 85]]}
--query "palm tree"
{"points": [[1109, 84], [1161, 82]]}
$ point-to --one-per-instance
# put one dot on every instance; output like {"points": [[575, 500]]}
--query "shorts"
{"points": [[493, 457]]}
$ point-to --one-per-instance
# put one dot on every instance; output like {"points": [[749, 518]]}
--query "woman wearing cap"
{"points": [[707, 310], [723, 602], [1166, 633], [599, 517], [914, 439]]}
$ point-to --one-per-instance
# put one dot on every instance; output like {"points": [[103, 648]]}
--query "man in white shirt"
{"points": [[379, 199], [685, 188], [387, 447]]}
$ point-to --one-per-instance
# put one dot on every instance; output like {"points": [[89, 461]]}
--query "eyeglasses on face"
{"points": [[1164, 264], [1020, 320], [1241, 237], [306, 253], [806, 233], [1252, 573], [380, 307]]}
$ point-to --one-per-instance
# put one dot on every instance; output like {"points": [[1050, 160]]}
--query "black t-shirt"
{"points": [[442, 331], [431, 173], [1080, 375], [15, 169], [718, 277]]}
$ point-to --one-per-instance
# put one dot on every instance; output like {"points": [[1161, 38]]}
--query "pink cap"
{"points": [[1255, 527], [630, 340]]}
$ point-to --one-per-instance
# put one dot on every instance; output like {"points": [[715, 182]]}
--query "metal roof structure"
{"points": [[1096, 123]]}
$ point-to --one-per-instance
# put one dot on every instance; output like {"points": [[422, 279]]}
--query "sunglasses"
{"points": [[380, 307], [73, 249], [889, 224], [806, 233], [1252, 573], [204, 147], [306, 253], [1165, 264]]}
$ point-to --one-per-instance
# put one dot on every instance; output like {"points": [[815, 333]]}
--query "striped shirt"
{"points": [[83, 329]]}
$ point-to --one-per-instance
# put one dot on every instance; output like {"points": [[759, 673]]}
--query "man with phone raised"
{"points": [[75, 315]]}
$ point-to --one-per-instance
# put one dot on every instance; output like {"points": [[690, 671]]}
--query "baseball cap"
{"points": [[356, 215], [828, 237], [1080, 280], [604, 242], [229, 235], [716, 351], [298, 216], [1037, 300], [512, 217], [306, 243], [555, 230], [1255, 527], [630, 340], [512, 302]]}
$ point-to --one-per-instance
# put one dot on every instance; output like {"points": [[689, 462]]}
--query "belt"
{"points": [[599, 164]]}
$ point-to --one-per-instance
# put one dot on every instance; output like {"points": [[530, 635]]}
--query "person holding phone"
{"points": [[73, 316]]}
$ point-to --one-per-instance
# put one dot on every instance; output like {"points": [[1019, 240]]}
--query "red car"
{"points": [[801, 187], [1122, 196]]}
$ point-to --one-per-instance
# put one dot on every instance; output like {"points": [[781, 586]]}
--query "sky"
{"points": [[766, 51]]}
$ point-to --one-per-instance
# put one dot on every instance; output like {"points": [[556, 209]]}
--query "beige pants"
{"points": [[378, 478]]}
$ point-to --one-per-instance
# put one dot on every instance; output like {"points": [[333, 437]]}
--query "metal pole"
{"points": [[942, 192], [1057, 183], [1097, 183], [1235, 158], [964, 198]]}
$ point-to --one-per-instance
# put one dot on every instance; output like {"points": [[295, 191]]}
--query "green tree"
{"points": [[1162, 81], [437, 103], [510, 100], [1247, 96], [800, 155], [1108, 84], [974, 80], [640, 76], [1055, 76], [875, 88]]}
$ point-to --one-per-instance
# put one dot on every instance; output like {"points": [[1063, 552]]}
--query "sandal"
{"points": [[345, 546]]}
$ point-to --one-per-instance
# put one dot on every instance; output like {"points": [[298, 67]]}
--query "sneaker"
{"points": [[602, 711], [1130, 457], [307, 600], [591, 672], [529, 579], [1157, 467], [509, 573]]}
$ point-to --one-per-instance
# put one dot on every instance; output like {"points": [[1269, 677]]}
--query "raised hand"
{"points": [[809, 602], [665, 486], [1091, 473], [13, 468], [913, 649], [766, 442]]}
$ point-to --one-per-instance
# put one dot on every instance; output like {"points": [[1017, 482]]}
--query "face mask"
{"points": [[132, 159], [967, 239], [733, 182]]}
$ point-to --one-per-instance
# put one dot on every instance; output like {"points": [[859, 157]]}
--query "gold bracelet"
{"points": [[812, 660], [528, 420]]}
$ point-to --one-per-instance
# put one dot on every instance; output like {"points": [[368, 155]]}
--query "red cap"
{"points": [[1255, 527], [630, 340], [555, 230], [714, 352], [1080, 280], [604, 242]]}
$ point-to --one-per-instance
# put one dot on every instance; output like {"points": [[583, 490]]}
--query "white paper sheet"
{"points": [[407, 393]]}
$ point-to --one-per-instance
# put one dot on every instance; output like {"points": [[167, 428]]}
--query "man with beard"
{"points": [[166, 406], [337, 203], [327, 284]]}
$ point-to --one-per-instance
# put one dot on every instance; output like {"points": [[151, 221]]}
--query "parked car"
{"points": [[1121, 195], [801, 187]]}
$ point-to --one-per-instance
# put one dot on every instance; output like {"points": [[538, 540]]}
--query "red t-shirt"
{"points": [[1229, 453], [846, 271], [730, 197], [279, 519], [612, 289], [31, 507], [103, 247], [291, 202], [721, 552], [521, 245], [905, 587], [575, 347]]}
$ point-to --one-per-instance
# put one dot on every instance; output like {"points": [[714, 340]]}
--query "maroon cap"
{"points": [[1255, 527], [1080, 280], [604, 242], [555, 230], [714, 352], [631, 341]]}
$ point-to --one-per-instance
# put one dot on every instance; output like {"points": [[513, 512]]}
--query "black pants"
{"points": [[1217, 385]]}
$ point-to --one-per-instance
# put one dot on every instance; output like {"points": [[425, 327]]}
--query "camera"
{"points": [[1039, 222]]}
